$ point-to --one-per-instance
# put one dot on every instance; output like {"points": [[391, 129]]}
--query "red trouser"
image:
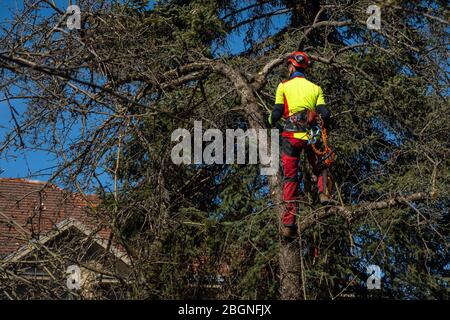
{"points": [[290, 157]]}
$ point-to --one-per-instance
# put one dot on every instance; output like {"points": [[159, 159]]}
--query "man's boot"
{"points": [[324, 199], [324, 196], [289, 231]]}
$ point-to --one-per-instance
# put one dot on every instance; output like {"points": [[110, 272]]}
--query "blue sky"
{"points": [[16, 163]]}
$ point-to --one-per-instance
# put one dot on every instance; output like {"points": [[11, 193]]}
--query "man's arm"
{"points": [[322, 109], [278, 110]]}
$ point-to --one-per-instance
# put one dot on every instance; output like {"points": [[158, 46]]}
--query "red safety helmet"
{"points": [[299, 59]]}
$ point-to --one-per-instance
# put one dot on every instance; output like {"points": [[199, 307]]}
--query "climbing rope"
{"points": [[327, 154]]}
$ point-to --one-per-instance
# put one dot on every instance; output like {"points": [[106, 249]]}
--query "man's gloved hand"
{"points": [[325, 114], [270, 119]]}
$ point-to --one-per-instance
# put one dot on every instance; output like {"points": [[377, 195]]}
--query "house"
{"points": [[53, 245]]}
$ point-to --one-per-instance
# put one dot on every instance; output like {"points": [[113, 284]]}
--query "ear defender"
{"points": [[299, 59]]}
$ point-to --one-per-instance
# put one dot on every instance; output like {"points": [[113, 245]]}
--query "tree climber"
{"points": [[302, 104]]}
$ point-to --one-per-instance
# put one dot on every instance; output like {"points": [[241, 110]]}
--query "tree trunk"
{"points": [[290, 270], [289, 254]]}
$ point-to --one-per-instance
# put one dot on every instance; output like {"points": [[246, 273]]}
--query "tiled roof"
{"points": [[31, 209]]}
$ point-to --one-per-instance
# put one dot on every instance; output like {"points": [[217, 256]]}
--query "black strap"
{"points": [[290, 179]]}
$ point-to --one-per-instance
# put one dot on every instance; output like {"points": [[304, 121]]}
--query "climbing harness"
{"points": [[297, 122]]}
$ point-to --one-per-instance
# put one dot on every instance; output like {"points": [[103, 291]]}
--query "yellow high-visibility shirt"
{"points": [[298, 94]]}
